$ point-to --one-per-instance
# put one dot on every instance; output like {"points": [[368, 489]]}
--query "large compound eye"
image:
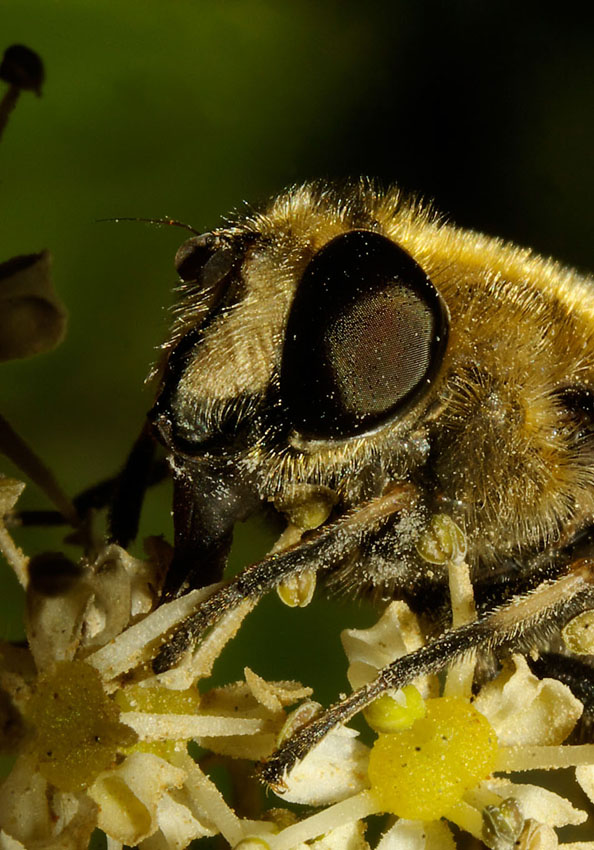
{"points": [[365, 336]]}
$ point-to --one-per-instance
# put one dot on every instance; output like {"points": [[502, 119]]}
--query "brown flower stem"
{"points": [[23, 456], [7, 104]]}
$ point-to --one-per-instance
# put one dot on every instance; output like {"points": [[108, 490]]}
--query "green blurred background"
{"points": [[188, 108]]}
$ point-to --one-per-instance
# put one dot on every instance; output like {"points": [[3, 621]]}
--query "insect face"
{"points": [[342, 343]]}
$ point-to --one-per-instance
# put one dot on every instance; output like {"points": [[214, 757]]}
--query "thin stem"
{"points": [[23, 456], [7, 104]]}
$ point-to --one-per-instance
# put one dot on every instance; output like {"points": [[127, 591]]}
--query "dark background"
{"points": [[188, 108]]}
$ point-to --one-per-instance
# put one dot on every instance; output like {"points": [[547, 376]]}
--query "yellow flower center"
{"points": [[423, 771], [77, 730]]}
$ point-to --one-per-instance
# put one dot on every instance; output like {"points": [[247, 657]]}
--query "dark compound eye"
{"points": [[365, 336], [206, 259]]}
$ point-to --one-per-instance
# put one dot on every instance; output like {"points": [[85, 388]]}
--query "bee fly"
{"points": [[362, 366]]}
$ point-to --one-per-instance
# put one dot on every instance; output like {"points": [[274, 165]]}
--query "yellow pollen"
{"points": [[77, 730], [423, 771], [158, 700], [393, 713]]}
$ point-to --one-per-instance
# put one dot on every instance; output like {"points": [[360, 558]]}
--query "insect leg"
{"points": [[130, 488], [552, 601], [321, 549]]}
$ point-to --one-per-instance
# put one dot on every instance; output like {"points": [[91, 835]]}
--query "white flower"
{"points": [[529, 717], [102, 740]]}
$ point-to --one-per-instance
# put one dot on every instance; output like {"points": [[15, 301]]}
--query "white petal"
{"points": [[274, 695], [24, 806], [539, 804], [31, 812], [10, 490], [585, 776], [252, 747], [55, 624], [334, 770], [538, 836], [416, 835], [128, 797], [395, 634], [134, 645], [325, 821], [123, 587], [526, 710], [350, 836], [9, 843], [177, 826]]}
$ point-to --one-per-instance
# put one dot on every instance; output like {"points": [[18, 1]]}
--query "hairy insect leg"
{"points": [[320, 550], [517, 622]]}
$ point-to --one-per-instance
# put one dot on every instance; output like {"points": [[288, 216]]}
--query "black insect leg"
{"points": [[519, 622], [130, 487], [320, 550]]}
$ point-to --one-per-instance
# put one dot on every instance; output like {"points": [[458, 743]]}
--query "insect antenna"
{"points": [[166, 221]]}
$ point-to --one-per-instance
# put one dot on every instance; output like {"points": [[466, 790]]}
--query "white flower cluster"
{"points": [[101, 741]]}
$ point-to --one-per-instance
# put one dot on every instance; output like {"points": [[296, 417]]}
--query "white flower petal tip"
{"points": [[10, 491], [395, 634], [416, 835], [539, 804], [9, 843], [177, 825], [350, 836], [585, 776], [334, 770], [525, 710], [274, 696], [252, 843]]}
